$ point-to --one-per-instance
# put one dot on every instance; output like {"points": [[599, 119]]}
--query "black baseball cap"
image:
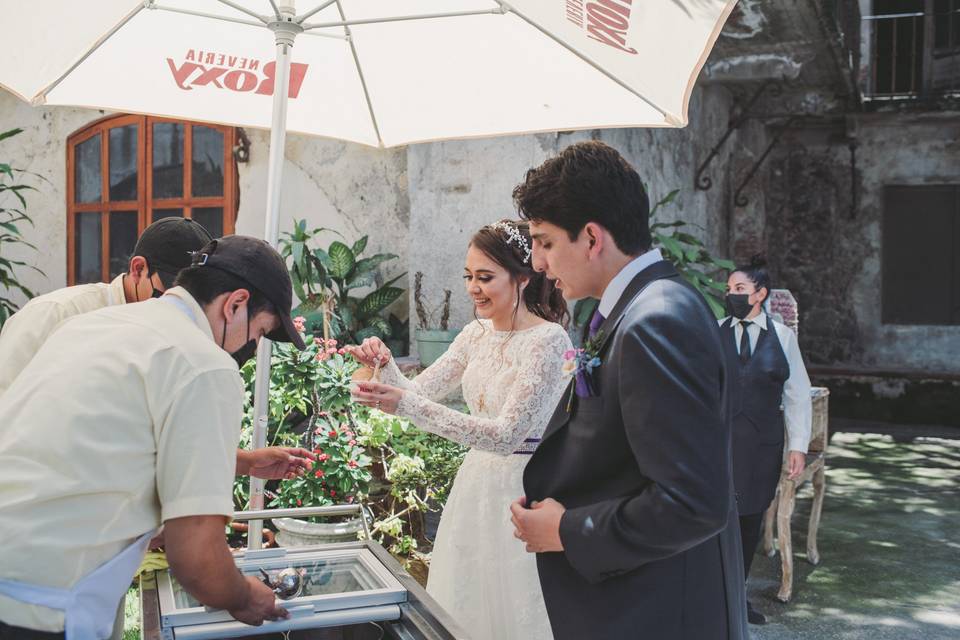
{"points": [[258, 264], [168, 246]]}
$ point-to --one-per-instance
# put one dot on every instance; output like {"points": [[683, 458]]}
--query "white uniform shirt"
{"points": [[796, 401], [126, 417], [25, 331]]}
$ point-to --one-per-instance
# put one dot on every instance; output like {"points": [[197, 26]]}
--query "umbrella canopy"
{"points": [[363, 70], [376, 72]]}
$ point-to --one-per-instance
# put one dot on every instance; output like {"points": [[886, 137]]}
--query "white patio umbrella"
{"points": [[377, 72]]}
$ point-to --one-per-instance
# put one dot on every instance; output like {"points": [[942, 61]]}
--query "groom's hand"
{"points": [[538, 526]]}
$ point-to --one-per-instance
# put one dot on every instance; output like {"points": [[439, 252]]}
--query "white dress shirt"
{"points": [[611, 295], [796, 401]]}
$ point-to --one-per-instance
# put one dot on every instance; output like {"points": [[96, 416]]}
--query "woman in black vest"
{"points": [[772, 391]]}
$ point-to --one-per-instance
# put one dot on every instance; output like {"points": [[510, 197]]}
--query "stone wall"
{"points": [[457, 187], [421, 202], [353, 189], [820, 224]]}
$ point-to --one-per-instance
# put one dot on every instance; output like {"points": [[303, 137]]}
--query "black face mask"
{"points": [[244, 353], [155, 293], [738, 305]]}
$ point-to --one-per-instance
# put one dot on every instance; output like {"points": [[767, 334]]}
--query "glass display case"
{"points": [[343, 591]]}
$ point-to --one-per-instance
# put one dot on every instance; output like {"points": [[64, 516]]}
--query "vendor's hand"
{"points": [[156, 542], [261, 605], [369, 352], [378, 396], [796, 461], [275, 463], [538, 526]]}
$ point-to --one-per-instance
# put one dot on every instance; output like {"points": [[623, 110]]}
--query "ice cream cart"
{"points": [[337, 591]]}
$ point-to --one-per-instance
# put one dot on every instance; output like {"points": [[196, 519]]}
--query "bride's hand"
{"points": [[368, 352], [378, 396]]}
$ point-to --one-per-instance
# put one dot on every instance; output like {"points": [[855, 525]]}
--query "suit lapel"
{"points": [[656, 271]]}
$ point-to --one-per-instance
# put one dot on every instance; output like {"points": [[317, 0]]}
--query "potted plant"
{"points": [[432, 339], [13, 216], [325, 281], [341, 474]]}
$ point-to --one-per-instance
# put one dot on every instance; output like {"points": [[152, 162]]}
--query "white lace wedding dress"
{"points": [[480, 573]]}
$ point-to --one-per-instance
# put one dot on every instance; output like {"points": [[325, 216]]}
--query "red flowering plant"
{"points": [[310, 407]]}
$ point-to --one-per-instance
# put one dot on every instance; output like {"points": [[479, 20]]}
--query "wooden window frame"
{"points": [[145, 203]]}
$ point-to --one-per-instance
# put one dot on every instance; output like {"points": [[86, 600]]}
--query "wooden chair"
{"points": [[781, 509]]}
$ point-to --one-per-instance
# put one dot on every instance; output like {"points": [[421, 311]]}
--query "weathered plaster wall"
{"points": [[422, 202], [826, 247], [353, 189], [457, 187], [41, 149]]}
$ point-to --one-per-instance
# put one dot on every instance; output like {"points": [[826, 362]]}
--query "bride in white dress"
{"points": [[508, 364]]}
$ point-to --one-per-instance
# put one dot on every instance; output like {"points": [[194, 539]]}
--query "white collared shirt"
{"points": [[796, 401], [126, 417], [25, 331], [620, 282]]}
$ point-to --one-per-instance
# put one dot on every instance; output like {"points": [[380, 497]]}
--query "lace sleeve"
{"points": [[528, 407], [440, 378]]}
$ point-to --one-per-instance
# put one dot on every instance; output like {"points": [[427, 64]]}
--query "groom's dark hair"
{"points": [[588, 182]]}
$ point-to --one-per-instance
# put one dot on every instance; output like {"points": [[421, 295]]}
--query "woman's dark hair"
{"points": [[205, 283], [756, 272], [541, 296], [589, 182]]}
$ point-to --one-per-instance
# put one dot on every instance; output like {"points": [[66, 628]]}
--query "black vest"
{"points": [[758, 425]]}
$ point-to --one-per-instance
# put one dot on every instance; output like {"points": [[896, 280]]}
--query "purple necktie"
{"points": [[595, 322], [583, 385]]}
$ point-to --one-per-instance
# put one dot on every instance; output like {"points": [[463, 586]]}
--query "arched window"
{"points": [[124, 172]]}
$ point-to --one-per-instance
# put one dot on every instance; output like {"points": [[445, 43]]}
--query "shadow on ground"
{"points": [[889, 545]]}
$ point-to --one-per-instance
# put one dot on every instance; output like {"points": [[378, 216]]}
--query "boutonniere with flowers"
{"points": [[580, 365]]}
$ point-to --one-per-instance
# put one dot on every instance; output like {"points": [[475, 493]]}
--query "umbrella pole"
{"points": [[285, 30]]}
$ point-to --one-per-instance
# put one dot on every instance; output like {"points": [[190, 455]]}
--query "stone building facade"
{"points": [[801, 122]]}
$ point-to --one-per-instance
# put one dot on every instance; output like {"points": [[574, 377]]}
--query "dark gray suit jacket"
{"points": [[651, 536]]}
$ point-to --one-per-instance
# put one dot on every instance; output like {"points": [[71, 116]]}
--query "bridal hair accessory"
{"points": [[514, 237]]}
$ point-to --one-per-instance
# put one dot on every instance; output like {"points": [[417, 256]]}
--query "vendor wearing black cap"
{"points": [[127, 418], [163, 249]]}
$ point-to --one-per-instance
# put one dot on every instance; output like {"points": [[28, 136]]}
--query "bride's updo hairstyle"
{"points": [[508, 243]]}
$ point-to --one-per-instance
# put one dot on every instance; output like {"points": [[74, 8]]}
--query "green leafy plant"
{"points": [[12, 218], [331, 275], [687, 253]]}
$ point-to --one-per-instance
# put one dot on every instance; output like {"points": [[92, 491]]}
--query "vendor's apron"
{"points": [[90, 606]]}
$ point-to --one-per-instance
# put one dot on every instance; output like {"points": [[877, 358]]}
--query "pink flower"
{"points": [[349, 499], [318, 474], [333, 493], [569, 354], [323, 414], [341, 351], [323, 457], [331, 342], [317, 431], [352, 443], [322, 356], [332, 434], [352, 464]]}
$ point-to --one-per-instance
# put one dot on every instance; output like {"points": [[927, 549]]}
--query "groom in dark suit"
{"points": [[629, 498]]}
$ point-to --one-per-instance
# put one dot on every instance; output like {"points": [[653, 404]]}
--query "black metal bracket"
{"points": [[738, 198], [702, 182], [241, 151]]}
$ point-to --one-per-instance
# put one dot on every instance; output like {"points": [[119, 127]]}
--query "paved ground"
{"points": [[889, 545]]}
